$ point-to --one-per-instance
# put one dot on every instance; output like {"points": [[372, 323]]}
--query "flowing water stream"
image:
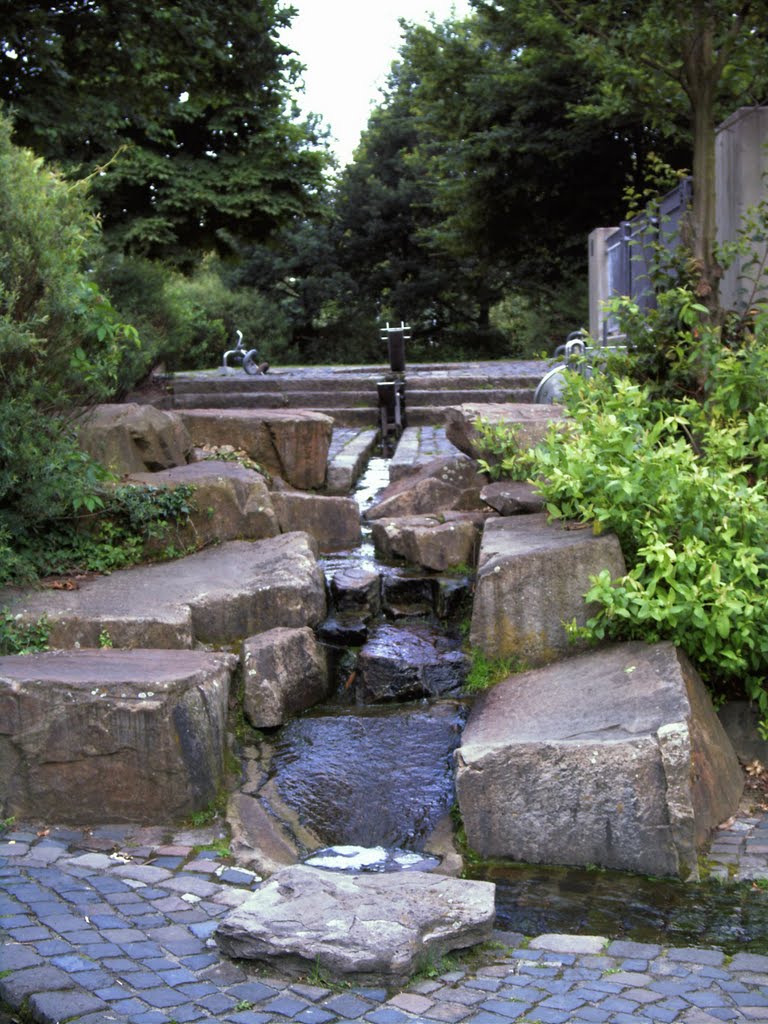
{"points": [[373, 780]]}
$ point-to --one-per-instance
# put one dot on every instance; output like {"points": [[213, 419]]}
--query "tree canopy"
{"points": [[180, 112]]}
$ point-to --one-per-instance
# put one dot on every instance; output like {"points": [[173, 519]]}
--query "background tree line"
{"points": [[499, 142]]}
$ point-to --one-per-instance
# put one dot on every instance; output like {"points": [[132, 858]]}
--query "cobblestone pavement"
{"points": [[115, 924]]}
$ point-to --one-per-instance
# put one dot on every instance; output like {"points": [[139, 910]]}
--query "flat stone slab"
{"points": [[218, 595], [377, 927], [292, 444], [531, 579], [614, 758], [109, 735]]}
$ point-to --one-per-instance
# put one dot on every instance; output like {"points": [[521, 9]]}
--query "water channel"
{"points": [[372, 779]]}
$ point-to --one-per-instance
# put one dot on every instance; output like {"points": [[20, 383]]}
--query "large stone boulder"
{"points": [[334, 522], [531, 579], [361, 927], [614, 758], [230, 503], [108, 735], [438, 542], [134, 438], [284, 673], [290, 443], [218, 595], [451, 482], [530, 424]]}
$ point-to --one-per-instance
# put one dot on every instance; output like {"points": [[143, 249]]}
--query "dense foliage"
{"points": [[181, 112]]}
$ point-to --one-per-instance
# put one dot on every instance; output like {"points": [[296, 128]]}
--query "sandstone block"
{"points": [[531, 579], [218, 595], [284, 673], [108, 735], [406, 664], [614, 758], [231, 503], [530, 423], [367, 927], [434, 542], [334, 522], [134, 438], [452, 482], [292, 444], [512, 498]]}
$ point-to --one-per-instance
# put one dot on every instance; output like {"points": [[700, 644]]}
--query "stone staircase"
{"points": [[349, 394]]}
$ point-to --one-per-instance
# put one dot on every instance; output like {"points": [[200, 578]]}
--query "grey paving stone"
{"points": [[163, 997], [314, 1015], [348, 1005], [749, 962], [509, 1009], [256, 992], [19, 985], [387, 1015], [286, 1005], [641, 950], [697, 956], [52, 1007], [248, 1017], [15, 957], [219, 1002], [487, 1018]]}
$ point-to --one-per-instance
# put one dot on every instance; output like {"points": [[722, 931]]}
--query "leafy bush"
{"points": [[691, 519], [111, 537]]}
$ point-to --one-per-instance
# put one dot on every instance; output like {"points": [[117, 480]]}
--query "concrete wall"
{"points": [[599, 283], [741, 163]]}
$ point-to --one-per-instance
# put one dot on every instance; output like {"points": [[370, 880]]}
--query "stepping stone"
{"points": [[362, 927], [218, 595], [290, 443], [531, 579]]}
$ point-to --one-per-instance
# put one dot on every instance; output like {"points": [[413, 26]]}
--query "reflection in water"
{"points": [[533, 900]]}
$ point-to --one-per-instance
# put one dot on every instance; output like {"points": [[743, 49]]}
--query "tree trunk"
{"points": [[700, 72]]}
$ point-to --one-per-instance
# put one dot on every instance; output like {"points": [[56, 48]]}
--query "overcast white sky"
{"points": [[347, 47]]}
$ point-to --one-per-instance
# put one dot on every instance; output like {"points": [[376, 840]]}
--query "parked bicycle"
{"points": [[247, 358]]}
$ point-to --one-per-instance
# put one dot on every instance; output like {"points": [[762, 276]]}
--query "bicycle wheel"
{"points": [[249, 362]]}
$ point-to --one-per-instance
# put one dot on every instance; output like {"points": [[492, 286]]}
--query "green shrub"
{"points": [[677, 487]]}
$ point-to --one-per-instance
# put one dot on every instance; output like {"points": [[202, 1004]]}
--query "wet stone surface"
{"points": [[370, 776]]}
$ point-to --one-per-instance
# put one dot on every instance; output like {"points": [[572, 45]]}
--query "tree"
{"points": [[668, 58], [473, 181], [60, 343], [180, 112]]}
